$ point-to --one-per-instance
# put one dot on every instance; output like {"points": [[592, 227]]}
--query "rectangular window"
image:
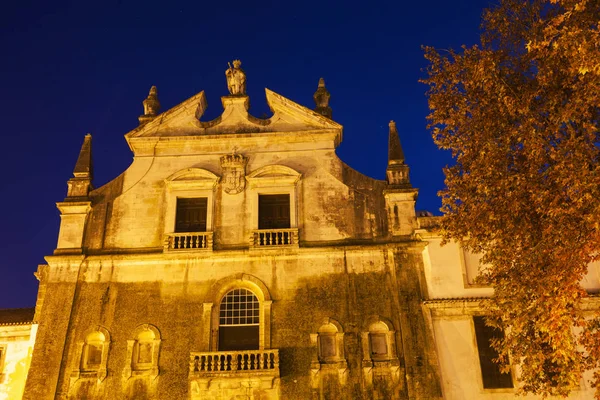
{"points": [[191, 215], [274, 211], [144, 355], [490, 371], [327, 346], [94, 355], [378, 345]]}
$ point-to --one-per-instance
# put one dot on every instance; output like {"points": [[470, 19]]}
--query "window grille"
{"points": [[239, 307]]}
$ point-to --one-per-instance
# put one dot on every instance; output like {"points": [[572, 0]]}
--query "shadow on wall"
{"points": [[352, 299]]}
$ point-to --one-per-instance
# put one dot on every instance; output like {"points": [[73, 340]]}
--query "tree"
{"points": [[520, 113]]}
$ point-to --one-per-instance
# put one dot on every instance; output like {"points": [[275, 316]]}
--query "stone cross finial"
{"points": [[321, 98], [236, 79]]}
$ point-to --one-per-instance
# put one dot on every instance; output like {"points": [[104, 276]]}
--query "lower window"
{"points": [[490, 371]]}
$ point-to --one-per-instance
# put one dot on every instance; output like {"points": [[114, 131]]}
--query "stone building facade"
{"points": [[240, 258], [17, 336]]}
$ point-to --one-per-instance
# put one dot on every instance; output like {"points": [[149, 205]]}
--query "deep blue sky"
{"points": [[69, 68]]}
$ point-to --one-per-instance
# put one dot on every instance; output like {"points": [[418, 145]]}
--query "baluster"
{"points": [[246, 359], [259, 360], [202, 241], [234, 362], [276, 360]]}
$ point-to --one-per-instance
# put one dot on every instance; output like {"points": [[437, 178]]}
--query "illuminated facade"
{"points": [[240, 258]]}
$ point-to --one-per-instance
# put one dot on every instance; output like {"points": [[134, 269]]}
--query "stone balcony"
{"points": [[188, 241], [274, 238], [234, 372]]}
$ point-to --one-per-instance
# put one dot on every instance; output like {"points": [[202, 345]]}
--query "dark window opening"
{"points": [[273, 211], [239, 321], [191, 215], [490, 371]]}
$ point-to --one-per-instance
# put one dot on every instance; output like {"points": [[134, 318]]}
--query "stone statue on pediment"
{"points": [[236, 79]]}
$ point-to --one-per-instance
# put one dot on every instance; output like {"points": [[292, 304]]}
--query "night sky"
{"points": [[72, 68]]}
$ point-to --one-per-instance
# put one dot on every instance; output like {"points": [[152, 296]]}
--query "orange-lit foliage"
{"points": [[520, 114]]}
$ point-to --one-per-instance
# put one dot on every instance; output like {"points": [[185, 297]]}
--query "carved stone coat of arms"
{"points": [[234, 173]]}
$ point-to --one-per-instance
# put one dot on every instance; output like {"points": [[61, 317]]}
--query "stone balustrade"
{"points": [[274, 237], [429, 222], [227, 362], [188, 241]]}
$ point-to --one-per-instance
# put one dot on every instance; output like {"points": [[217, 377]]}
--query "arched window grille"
{"points": [[239, 317]]}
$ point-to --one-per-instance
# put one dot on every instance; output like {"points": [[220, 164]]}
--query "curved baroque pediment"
{"points": [[197, 178], [273, 175]]}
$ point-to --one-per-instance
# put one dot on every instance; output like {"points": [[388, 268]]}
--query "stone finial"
{"points": [[83, 173], [321, 97], [83, 166], [395, 152], [236, 79], [151, 106], [397, 171]]}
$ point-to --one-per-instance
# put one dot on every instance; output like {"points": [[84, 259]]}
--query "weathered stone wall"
{"points": [[352, 285], [333, 202], [347, 272]]}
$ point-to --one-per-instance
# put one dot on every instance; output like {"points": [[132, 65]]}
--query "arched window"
{"points": [[143, 351], [329, 341], [93, 351], [378, 341], [239, 320]]}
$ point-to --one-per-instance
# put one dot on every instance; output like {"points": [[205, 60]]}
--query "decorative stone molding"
{"points": [[143, 352], [234, 173], [273, 176], [97, 339], [73, 219], [192, 179]]}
